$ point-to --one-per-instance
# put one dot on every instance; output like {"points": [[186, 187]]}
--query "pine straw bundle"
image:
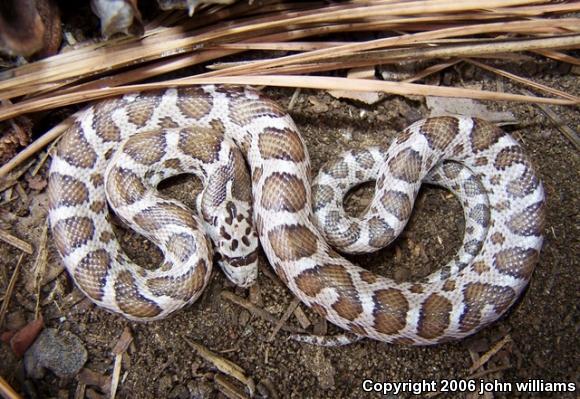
{"points": [[447, 32]]}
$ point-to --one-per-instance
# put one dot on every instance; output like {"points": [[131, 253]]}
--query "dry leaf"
{"points": [[14, 135], [21, 340]]}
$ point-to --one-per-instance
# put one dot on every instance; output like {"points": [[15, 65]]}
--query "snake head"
{"points": [[236, 242]]}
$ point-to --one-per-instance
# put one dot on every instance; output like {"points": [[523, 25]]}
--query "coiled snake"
{"points": [[129, 144]]}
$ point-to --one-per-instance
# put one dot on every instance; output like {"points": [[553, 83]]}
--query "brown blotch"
{"points": [[103, 123], [529, 222], [365, 159], [312, 281], [390, 311], [183, 287], [130, 300], [242, 185], [321, 194], [215, 192], [338, 169], [97, 180], [398, 204], [194, 103], [402, 341], [281, 144], [404, 136], [342, 238], [451, 170], [283, 191], [182, 244], [280, 272], [66, 190], [75, 149], [161, 215], [517, 262], [106, 236], [146, 148], [477, 296], [319, 309], [497, 238], [167, 123], [72, 233], [357, 329], [524, 185], [458, 149], [293, 242], [416, 288], [368, 277], [142, 108], [481, 161], [480, 267], [406, 165], [173, 163], [91, 273], [257, 175], [244, 110], [434, 316], [449, 285], [203, 144], [125, 187], [480, 214], [440, 131], [484, 135], [98, 206], [380, 233]]}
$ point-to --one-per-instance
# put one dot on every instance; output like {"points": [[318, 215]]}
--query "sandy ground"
{"points": [[540, 333]]}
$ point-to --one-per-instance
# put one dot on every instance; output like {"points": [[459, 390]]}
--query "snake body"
{"points": [[129, 144]]}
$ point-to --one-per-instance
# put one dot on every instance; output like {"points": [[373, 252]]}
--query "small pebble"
{"points": [[61, 352]]}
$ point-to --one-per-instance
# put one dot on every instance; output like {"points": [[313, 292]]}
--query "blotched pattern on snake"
{"points": [[130, 144]]}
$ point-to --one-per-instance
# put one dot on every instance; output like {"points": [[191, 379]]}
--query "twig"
{"points": [[562, 127], [10, 290], [16, 242], [224, 365], [295, 302], [525, 81], [256, 311], [120, 348], [489, 354], [228, 389]]}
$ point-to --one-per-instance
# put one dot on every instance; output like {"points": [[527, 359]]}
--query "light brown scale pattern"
{"points": [[450, 304]]}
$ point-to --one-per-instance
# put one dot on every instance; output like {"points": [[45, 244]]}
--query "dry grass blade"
{"points": [[7, 391], [16, 242], [525, 81]]}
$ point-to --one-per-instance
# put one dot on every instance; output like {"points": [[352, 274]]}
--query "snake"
{"points": [[258, 193]]}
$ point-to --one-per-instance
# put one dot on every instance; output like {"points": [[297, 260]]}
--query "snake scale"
{"points": [[119, 149]]}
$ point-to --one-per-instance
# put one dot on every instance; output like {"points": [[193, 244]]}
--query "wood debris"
{"points": [[256, 311], [119, 349], [224, 365]]}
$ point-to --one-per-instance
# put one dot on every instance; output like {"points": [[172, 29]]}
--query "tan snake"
{"points": [[131, 143]]}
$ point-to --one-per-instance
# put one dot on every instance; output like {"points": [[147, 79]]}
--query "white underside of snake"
{"points": [[128, 145]]}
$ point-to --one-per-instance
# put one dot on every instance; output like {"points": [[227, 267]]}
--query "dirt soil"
{"points": [[542, 328]]}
